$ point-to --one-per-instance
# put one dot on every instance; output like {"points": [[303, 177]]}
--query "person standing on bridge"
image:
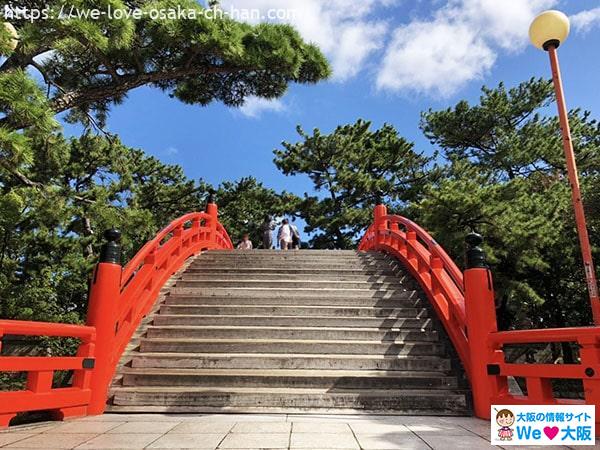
{"points": [[295, 235], [246, 243], [284, 236], [267, 228]]}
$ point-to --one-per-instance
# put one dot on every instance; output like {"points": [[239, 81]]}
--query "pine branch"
{"points": [[67, 100]]}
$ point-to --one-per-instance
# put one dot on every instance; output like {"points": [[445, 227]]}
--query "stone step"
{"points": [[291, 255], [292, 292], [308, 271], [298, 378], [292, 310], [287, 284], [291, 261], [240, 258], [300, 331], [264, 332], [410, 300], [280, 321], [283, 267], [275, 277], [187, 399], [342, 347], [289, 361], [310, 252]]}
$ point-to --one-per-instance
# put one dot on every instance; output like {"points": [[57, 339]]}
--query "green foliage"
{"points": [[58, 195], [506, 178], [352, 168], [50, 233], [244, 204], [200, 58]]}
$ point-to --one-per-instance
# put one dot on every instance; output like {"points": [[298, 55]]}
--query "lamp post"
{"points": [[547, 32]]}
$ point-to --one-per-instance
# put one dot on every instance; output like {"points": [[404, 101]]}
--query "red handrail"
{"points": [[146, 273], [539, 377], [465, 305], [119, 299], [39, 393], [430, 265]]}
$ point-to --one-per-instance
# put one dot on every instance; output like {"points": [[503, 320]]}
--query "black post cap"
{"points": [[111, 249], [211, 197], [475, 256], [378, 197]]}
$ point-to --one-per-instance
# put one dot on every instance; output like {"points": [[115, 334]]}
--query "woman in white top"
{"points": [[246, 243], [284, 236]]}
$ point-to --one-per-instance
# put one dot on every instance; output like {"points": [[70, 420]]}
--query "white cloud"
{"points": [[345, 30], [456, 43], [44, 57], [586, 20], [172, 151], [459, 44], [501, 23], [434, 57], [254, 107]]}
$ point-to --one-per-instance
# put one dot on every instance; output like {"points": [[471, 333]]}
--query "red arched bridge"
{"points": [[339, 332]]}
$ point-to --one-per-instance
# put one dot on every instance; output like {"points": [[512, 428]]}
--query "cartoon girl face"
{"points": [[505, 418]]}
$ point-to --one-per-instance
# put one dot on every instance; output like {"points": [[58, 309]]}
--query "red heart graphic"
{"points": [[551, 432]]}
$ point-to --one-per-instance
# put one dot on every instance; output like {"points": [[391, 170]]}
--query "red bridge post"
{"points": [[480, 312], [379, 212], [213, 211], [102, 314]]}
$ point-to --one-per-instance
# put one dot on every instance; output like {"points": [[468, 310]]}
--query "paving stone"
{"points": [[474, 425], [447, 442], [320, 427], [378, 427], [9, 438], [262, 427], [202, 427], [437, 428], [323, 441], [132, 418], [31, 428], [55, 441], [120, 441], [256, 440], [236, 418], [84, 427], [325, 418], [384, 441], [188, 441], [144, 427]]}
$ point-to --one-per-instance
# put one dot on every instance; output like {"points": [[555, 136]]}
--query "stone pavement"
{"points": [[235, 431]]}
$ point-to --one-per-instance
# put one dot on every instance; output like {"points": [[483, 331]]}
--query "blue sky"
{"points": [[392, 59]]}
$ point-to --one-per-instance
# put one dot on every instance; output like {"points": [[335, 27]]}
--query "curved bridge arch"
{"points": [[464, 302], [119, 298], [439, 277]]}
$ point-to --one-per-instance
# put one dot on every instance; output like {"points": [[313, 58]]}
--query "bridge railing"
{"points": [[119, 299], [430, 265], [39, 392], [465, 304]]}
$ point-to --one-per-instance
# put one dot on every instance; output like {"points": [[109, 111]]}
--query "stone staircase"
{"points": [[300, 331]]}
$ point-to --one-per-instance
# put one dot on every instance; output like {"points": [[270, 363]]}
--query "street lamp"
{"points": [[13, 34], [547, 32]]}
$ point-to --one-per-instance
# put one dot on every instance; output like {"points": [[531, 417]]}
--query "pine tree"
{"points": [[506, 178], [352, 169]]}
